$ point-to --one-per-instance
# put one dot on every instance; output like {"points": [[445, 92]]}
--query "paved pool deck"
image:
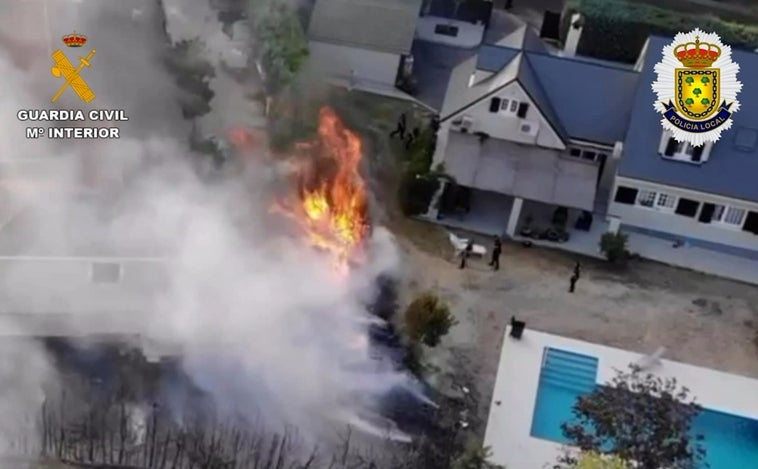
{"points": [[515, 393], [587, 243]]}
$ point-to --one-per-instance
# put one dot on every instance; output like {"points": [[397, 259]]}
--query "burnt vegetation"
{"points": [[114, 409]]}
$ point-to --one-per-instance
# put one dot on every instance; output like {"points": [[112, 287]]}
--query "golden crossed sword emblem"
{"points": [[64, 68]]}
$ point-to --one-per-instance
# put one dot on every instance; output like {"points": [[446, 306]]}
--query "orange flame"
{"points": [[332, 204]]}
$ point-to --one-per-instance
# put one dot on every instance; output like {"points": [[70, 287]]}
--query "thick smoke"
{"points": [[260, 320]]}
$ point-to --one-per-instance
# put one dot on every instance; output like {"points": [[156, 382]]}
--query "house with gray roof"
{"points": [[526, 131], [362, 41], [702, 196]]}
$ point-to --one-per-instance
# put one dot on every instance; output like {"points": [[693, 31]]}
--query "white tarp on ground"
{"points": [[523, 171]]}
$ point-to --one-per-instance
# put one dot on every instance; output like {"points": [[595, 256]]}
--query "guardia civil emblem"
{"points": [[697, 87]]}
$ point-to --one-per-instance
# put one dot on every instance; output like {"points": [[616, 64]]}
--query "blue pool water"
{"points": [[731, 442]]}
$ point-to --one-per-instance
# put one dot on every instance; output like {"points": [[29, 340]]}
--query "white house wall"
{"points": [[506, 127], [669, 222], [338, 61], [64, 285]]}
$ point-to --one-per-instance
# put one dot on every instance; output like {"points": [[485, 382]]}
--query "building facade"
{"points": [[703, 196], [362, 41], [523, 135], [526, 131]]}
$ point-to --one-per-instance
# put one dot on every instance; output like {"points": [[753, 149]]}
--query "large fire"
{"points": [[331, 203]]}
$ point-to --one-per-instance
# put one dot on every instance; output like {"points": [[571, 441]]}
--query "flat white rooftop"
{"points": [[509, 424]]}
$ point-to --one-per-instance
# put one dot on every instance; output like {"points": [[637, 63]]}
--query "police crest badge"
{"points": [[697, 87]]}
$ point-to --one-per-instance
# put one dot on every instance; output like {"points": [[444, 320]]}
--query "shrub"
{"points": [[427, 319], [282, 42], [617, 30], [613, 246], [595, 460], [419, 181], [416, 192], [475, 457]]}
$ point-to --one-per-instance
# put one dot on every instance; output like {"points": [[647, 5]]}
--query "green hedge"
{"points": [[617, 29], [416, 192]]}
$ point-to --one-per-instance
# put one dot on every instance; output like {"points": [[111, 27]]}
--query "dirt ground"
{"points": [[700, 320]]}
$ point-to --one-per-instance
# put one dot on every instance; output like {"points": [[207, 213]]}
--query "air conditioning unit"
{"points": [[528, 128], [467, 124]]}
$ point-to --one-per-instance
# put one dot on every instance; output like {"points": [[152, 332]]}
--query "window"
{"points": [[626, 195], [682, 151], [523, 108], [745, 139], [589, 155], [751, 223], [646, 198], [446, 30], [687, 207], [495, 104], [728, 215], [657, 200], [508, 106], [664, 201], [105, 272]]}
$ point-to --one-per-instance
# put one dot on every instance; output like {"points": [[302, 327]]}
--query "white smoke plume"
{"points": [[260, 319]]}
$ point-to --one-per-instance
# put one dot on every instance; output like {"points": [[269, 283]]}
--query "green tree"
{"points": [[613, 246], [428, 319], [689, 80], [689, 101], [281, 43], [595, 460], [640, 418], [475, 457], [705, 101], [705, 80], [697, 91]]}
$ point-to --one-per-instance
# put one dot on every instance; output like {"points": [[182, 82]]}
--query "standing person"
{"points": [[577, 270], [412, 137], [466, 253], [573, 280], [497, 249], [402, 124]]}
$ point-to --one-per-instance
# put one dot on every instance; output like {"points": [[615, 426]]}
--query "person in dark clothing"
{"points": [[577, 270], [573, 280], [402, 124], [466, 253], [497, 249], [435, 123], [412, 137]]}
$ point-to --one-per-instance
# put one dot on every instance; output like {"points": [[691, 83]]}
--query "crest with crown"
{"points": [[697, 54], [74, 39]]}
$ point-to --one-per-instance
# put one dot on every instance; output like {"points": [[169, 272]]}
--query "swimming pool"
{"points": [[730, 441]]}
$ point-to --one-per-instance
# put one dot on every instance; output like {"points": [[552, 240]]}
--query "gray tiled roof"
{"points": [[730, 170], [381, 25], [583, 99], [531, 83], [592, 100], [524, 38]]}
